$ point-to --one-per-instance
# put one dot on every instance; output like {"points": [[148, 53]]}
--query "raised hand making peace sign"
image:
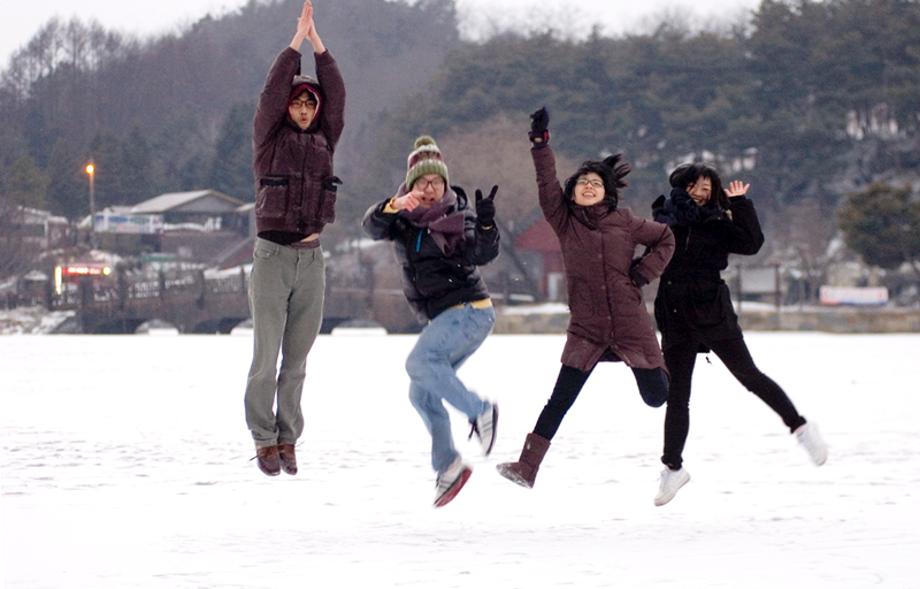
{"points": [[485, 208]]}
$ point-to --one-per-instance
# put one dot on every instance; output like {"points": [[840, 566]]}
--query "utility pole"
{"points": [[91, 173]]}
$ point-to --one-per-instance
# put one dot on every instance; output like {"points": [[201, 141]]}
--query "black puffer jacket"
{"points": [[693, 303], [432, 281]]}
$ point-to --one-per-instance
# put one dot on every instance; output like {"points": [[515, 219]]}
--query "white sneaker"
{"points": [[484, 426], [671, 482], [450, 482], [809, 436]]}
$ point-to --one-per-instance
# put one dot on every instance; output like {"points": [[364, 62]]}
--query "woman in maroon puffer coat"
{"points": [[609, 320]]}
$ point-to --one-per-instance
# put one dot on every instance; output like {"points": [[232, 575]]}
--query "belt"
{"points": [[480, 304]]}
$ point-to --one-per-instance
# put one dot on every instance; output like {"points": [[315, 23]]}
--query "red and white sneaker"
{"points": [[450, 482]]}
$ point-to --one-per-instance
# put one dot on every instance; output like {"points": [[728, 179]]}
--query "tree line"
{"points": [[809, 101], [791, 99], [175, 113]]}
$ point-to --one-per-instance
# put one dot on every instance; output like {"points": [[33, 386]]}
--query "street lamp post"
{"points": [[91, 173]]}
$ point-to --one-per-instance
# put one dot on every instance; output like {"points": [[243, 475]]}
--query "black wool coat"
{"points": [[693, 304]]}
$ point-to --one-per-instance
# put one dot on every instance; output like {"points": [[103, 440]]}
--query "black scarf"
{"points": [[680, 209]]}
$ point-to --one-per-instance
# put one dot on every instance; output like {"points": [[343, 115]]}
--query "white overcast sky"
{"points": [[20, 19]]}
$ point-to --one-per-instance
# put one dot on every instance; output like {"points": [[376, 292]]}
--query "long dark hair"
{"points": [[611, 169], [686, 174]]}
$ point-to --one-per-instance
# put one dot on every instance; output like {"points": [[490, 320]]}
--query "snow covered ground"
{"points": [[31, 320], [125, 464]]}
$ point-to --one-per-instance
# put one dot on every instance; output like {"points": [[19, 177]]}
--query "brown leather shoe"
{"points": [[268, 460], [288, 458]]}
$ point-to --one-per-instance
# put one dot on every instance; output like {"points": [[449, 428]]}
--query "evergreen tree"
{"points": [[25, 184], [136, 168], [882, 224], [231, 165], [106, 152], [68, 192]]}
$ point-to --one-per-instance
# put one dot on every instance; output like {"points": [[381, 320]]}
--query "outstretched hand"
{"points": [[539, 123], [736, 188], [485, 207]]}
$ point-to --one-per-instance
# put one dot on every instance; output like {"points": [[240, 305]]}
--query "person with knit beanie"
{"points": [[297, 125], [609, 321], [440, 241]]}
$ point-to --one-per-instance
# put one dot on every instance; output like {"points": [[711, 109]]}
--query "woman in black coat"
{"points": [[694, 311]]}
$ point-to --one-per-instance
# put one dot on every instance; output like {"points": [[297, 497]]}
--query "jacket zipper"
{"points": [[303, 183]]}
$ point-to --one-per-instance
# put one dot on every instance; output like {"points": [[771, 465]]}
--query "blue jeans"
{"points": [[442, 347]]}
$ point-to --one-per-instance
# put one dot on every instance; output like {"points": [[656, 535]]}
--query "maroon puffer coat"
{"points": [[608, 312]]}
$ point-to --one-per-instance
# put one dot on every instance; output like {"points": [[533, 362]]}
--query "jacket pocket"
{"points": [[328, 197], [272, 199], [709, 304], [580, 302], [265, 250]]}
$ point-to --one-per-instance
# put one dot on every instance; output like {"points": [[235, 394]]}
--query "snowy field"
{"points": [[125, 464]]}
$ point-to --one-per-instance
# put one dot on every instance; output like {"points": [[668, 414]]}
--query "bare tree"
{"points": [[498, 152], [808, 233]]}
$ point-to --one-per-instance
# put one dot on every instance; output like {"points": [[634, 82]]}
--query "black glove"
{"points": [[681, 196], [539, 121], [485, 207], [637, 278]]}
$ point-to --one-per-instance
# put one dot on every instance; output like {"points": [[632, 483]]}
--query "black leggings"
{"points": [[736, 357], [652, 382]]}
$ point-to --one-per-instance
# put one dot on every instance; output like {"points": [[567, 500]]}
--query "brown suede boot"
{"points": [[524, 471], [268, 460], [288, 458]]}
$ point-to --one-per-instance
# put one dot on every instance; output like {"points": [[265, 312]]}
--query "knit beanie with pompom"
{"points": [[425, 159]]}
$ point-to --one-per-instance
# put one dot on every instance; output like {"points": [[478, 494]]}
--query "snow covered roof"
{"points": [[31, 215], [35, 275], [117, 210], [172, 201]]}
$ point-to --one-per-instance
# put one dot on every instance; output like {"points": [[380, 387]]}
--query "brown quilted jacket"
{"points": [[293, 167]]}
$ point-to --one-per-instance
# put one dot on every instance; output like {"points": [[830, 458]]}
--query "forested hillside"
{"points": [[806, 100], [175, 113]]}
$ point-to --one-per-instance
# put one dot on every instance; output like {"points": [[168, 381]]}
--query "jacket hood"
{"points": [[299, 85]]}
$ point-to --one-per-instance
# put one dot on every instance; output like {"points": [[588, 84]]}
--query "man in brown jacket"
{"points": [[297, 125]]}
